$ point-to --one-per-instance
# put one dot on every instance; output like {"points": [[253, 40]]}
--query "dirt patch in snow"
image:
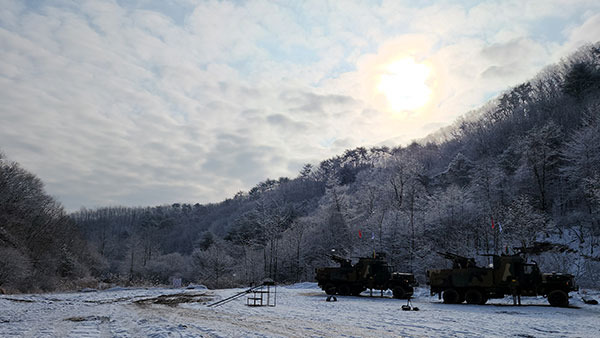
{"points": [[19, 300], [101, 319], [175, 299], [109, 301]]}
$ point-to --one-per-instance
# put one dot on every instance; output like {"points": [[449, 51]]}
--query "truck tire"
{"points": [[461, 297], [344, 290], [357, 290], [330, 289], [474, 296], [399, 293], [451, 296], [558, 298]]}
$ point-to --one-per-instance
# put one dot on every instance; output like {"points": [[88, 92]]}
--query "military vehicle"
{"points": [[509, 275], [368, 273]]}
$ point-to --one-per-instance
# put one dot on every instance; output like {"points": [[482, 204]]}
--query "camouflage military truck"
{"points": [[368, 273], [509, 275]]}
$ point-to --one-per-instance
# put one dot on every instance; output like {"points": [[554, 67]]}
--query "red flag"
{"points": [[359, 234], [493, 226]]}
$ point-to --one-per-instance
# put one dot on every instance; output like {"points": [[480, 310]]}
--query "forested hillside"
{"points": [[41, 248], [524, 168]]}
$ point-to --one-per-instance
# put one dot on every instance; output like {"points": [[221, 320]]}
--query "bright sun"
{"points": [[404, 84]]}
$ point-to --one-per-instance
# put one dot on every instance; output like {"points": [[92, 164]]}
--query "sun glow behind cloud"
{"points": [[404, 84]]}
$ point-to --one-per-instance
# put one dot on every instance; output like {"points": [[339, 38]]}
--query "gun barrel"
{"points": [[459, 261], [450, 255], [341, 260]]}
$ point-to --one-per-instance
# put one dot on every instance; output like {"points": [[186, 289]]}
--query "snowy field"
{"points": [[301, 311]]}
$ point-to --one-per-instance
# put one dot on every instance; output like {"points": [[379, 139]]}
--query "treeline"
{"points": [[522, 169], [41, 247]]}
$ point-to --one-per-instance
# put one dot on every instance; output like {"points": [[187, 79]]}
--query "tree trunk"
{"points": [[131, 265], [412, 228]]}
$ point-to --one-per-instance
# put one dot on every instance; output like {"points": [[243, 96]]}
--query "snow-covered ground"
{"points": [[301, 311]]}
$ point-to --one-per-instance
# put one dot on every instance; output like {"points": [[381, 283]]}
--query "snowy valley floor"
{"points": [[301, 311]]}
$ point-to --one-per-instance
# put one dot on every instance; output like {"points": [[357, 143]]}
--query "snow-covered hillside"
{"points": [[301, 311]]}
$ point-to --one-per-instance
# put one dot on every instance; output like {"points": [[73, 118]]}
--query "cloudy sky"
{"points": [[152, 102]]}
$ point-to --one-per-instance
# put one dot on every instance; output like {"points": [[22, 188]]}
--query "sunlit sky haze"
{"points": [[155, 102]]}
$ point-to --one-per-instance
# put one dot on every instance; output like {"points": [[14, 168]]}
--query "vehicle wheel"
{"points": [[474, 296], [399, 293], [451, 296], [558, 298], [461, 297], [356, 291], [345, 290], [330, 289]]}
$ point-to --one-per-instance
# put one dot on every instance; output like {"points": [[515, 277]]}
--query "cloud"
{"points": [[286, 123], [579, 35], [311, 103], [151, 102], [513, 59]]}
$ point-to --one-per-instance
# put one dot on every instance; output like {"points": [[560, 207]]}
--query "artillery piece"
{"points": [[367, 273], [509, 275]]}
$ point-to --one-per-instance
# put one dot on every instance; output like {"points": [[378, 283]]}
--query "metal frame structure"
{"points": [[258, 298], [268, 290]]}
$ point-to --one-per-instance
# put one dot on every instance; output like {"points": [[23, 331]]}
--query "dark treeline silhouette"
{"points": [[41, 247], [523, 168]]}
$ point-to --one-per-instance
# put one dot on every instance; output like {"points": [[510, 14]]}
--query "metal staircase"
{"points": [[262, 295], [265, 295]]}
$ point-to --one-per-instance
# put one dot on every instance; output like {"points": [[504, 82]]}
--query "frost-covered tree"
{"points": [[42, 248], [522, 224], [161, 269], [541, 156], [582, 159], [213, 266]]}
